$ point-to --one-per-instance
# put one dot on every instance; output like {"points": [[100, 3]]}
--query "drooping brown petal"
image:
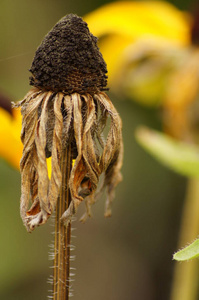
{"points": [[29, 122], [56, 176], [113, 176], [40, 141], [89, 146], [78, 171], [68, 110], [112, 156], [114, 135]]}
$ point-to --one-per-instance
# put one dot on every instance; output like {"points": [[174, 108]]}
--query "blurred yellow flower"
{"points": [[140, 42], [136, 19], [10, 146], [148, 47]]}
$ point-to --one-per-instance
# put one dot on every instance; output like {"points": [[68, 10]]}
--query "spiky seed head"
{"points": [[69, 60]]}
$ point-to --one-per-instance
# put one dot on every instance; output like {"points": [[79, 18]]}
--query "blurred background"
{"points": [[128, 256]]}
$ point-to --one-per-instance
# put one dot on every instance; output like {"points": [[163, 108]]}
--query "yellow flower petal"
{"points": [[135, 19], [10, 146], [112, 47]]}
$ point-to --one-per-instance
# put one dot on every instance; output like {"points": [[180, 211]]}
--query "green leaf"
{"points": [[189, 252], [180, 157]]}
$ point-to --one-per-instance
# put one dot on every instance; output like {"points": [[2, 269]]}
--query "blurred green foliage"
{"points": [[126, 257]]}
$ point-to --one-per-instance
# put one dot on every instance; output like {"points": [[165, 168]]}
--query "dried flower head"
{"points": [[67, 105]]}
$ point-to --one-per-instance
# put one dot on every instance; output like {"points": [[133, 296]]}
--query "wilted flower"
{"points": [[67, 105]]}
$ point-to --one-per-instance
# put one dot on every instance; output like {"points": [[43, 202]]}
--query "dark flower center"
{"points": [[69, 59]]}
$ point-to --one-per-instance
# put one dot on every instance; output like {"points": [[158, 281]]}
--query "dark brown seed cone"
{"points": [[69, 59]]}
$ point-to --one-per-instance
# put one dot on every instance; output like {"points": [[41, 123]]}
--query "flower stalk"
{"points": [[185, 281], [61, 279]]}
